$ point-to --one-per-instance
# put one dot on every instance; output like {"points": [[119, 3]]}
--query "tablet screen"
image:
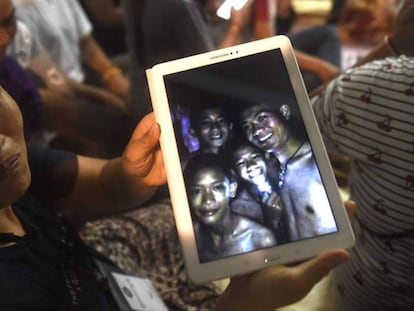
{"points": [[247, 157], [249, 177]]}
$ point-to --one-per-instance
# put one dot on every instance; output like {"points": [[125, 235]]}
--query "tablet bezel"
{"points": [[280, 254]]}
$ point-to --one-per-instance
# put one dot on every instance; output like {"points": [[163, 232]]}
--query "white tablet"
{"points": [[250, 180]]}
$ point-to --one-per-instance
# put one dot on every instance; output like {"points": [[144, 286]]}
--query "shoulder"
{"points": [[378, 72], [385, 75]]}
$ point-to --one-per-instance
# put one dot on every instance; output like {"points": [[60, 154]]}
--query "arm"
{"points": [[56, 83], [401, 42], [263, 27], [104, 187], [96, 94], [96, 58], [42, 65], [275, 287], [325, 70], [264, 15], [238, 21]]}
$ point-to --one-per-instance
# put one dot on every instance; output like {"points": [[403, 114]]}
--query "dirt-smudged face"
{"points": [[209, 195], [264, 129], [249, 163], [214, 129]]}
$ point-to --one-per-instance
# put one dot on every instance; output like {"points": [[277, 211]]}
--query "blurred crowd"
{"points": [[76, 69]]}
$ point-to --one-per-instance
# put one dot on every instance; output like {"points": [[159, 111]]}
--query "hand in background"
{"points": [[118, 84]]}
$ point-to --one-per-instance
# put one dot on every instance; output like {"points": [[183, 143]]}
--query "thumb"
{"points": [[143, 142], [150, 138], [318, 267]]}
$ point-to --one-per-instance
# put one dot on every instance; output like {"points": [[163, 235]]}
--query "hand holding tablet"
{"points": [[249, 177]]}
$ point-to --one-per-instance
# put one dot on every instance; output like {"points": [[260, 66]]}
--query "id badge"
{"points": [[131, 292], [139, 293]]}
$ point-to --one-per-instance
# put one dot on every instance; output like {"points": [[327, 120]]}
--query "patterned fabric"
{"points": [[145, 241], [368, 114]]}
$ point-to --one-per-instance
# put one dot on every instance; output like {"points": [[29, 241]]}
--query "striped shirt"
{"points": [[368, 114]]}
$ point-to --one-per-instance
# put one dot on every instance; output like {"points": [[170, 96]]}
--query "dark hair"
{"points": [[266, 106], [209, 102], [285, 113], [205, 160]]}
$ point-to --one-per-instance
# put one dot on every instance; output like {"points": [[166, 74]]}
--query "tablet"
{"points": [[249, 178]]}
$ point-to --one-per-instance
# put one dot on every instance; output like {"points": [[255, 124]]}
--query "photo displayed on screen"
{"points": [[251, 178]]}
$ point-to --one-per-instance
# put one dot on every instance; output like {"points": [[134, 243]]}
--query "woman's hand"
{"points": [[275, 287], [142, 158]]}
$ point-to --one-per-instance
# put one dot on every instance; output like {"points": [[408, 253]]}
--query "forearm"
{"points": [[110, 74], [96, 94], [94, 56], [263, 29], [264, 20], [379, 52], [401, 43], [231, 36], [102, 189], [309, 62], [237, 23], [122, 191]]}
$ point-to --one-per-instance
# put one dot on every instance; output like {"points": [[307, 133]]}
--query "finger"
{"points": [[350, 207], [149, 140], [144, 139], [313, 270], [143, 126]]}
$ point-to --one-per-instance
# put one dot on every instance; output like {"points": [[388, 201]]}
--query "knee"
{"points": [[328, 32]]}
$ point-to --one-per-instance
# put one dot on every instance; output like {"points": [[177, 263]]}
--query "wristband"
{"points": [[390, 45], [111, 71]]}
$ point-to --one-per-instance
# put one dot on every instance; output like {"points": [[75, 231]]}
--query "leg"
{"points": [[320, 41]]}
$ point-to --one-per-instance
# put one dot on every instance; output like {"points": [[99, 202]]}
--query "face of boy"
{"points": [[249, 163], [7, 25], [209, 195], [14, 169], [214, 129], [264, 129]]}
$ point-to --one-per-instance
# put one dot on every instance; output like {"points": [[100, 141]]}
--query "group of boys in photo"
{"points": [[252, 180]]}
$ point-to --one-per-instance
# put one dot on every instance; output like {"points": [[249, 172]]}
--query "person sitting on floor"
{"points": [[367, 113], [63, 28], [36, 230]]}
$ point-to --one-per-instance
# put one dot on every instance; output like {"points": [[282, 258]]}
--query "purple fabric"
{"points": [[19, 84]]}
